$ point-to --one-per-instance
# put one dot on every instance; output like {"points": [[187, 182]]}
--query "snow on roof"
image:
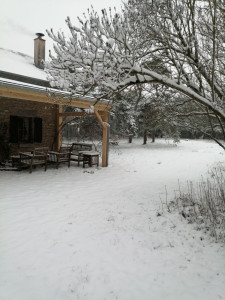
{"points": [[19, 63], [22, 64]]}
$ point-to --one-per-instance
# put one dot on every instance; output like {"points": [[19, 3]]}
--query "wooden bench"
{"points": [[32, 159], [77, 150], [62, 156]]}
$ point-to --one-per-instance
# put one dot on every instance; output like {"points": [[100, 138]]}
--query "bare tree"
{"points": [[178, 44]]}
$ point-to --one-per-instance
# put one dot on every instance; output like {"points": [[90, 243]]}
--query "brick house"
{"points": [[28, 115]]}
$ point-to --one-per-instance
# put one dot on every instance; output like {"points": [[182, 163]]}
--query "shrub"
{"points": [[204, 203]]}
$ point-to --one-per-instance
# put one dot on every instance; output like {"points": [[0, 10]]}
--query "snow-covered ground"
{"points": [[94, 234]]}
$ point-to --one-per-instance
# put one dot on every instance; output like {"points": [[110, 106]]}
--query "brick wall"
{"points": [[21, 108]]}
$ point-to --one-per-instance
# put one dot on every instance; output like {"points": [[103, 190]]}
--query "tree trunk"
{"points": [[145, 137], [153, 137]]}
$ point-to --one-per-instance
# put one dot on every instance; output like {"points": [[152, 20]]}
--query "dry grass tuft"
{"points": [[204, 204]]}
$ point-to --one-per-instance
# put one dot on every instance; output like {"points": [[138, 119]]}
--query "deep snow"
{"points": [[94, 233]]}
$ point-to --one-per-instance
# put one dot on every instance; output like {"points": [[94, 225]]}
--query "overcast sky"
{"points": [[21, 19]]}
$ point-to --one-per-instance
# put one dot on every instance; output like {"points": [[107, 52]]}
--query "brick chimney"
{"points": [[39, 50]]}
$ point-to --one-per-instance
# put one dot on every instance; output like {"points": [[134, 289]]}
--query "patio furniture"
{"points": [[15, 159], [31, 160], [90, 158], [129, 136], [77, 150], [62, 156], [41, 150]]}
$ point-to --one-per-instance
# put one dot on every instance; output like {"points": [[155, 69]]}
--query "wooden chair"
{"points": [[32, 159], [62, 156], [115, 140]]}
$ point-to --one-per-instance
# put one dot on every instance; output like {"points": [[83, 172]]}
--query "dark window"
{"points": [[37, 130], [25, 130]]}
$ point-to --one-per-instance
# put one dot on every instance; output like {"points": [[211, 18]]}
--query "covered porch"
{"points": [[39, 92]]}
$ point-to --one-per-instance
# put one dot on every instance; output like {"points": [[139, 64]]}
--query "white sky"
{"points": [[21, 19]]}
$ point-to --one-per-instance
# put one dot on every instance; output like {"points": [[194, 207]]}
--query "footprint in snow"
{"points": [[90, 172]]}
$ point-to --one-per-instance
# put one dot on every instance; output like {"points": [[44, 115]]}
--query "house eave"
{"points": [[30, 92]]}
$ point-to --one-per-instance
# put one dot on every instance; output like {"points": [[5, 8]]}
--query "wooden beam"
{"points": [[75, 114], [99, 118], [105, 147], [106, 115], [80, 114], [38, 96], [59, 123]]}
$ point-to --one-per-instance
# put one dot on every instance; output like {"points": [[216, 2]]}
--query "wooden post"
{"points": [[104, 137], [59, 128], [105, 141]]}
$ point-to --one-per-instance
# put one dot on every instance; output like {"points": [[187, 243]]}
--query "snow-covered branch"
{"points": [[171, 43]]}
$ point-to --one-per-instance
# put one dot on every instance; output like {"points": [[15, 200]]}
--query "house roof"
{"points": [[19, 63]]}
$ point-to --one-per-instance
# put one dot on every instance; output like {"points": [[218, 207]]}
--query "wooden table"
{"points": [[90, 158]]}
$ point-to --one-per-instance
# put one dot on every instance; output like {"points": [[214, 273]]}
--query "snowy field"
{"points": [[94, 233]]}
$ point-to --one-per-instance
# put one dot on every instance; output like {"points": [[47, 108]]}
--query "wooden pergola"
{"points": [[44, 95], [101, 112]]}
